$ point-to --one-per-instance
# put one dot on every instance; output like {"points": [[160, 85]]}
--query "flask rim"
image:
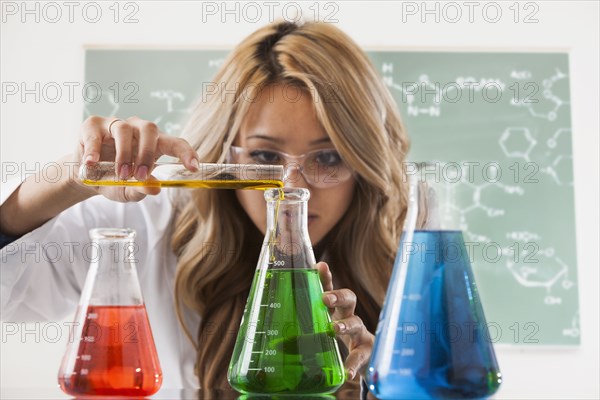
{"points": [[124, 234], [289, 194]]}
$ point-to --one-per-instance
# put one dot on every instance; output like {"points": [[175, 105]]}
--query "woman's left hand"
{"points": [[348, 326]]}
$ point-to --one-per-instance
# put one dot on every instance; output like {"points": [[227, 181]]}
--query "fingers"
{"points": [[351, 326], [149, 188], [133, 194], [131, 142], [152, 144], [123, 135], [358, 360], [179, 148], [359, 341], [92, 135], [343, 301], [148, 134], [352, 331], [325, 276]]}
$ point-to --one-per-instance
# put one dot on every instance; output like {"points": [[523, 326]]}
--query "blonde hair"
{"points": [[216, 242]]}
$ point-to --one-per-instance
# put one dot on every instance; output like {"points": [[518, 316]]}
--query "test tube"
{"points": [[168, 174]]}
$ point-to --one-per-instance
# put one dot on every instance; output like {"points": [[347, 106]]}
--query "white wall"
{"points": [[53, 52]]}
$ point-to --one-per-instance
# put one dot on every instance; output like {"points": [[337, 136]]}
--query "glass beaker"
{"points": [[432, 339], [167, 174], [111, 351], [286, 344]]}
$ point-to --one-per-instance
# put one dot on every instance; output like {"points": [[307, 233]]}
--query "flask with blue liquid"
{"points": [[432, 339]]}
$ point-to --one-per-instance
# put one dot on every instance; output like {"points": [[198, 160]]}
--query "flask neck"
{"points": [[287, 239], [112, 279], [289, 218], [112, 249], [434, 199]]}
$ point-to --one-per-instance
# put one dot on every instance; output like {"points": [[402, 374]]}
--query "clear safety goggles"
{"points": [[321, 168]]}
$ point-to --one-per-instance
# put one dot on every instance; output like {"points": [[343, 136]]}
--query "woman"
{"points": [[287, 94]]}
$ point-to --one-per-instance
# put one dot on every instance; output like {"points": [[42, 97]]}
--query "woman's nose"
{"points": [[294, 177]]}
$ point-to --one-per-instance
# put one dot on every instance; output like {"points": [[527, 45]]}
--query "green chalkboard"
{"points": [[497, 124]]}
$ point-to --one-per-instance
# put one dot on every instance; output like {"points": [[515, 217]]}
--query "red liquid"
{"points": [[116, 355]]}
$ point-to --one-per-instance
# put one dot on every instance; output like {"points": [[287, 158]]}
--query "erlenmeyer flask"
{"points": [[286, 344], [432, 339], [111, 352]]}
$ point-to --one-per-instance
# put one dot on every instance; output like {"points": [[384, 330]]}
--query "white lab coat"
{"points": [[44, 271]]}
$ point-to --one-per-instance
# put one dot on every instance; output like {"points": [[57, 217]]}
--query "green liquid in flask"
{"points": [[286, 344]]}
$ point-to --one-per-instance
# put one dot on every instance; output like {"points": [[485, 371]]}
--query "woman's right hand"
{"points": [[134, 144], [128, 143]]}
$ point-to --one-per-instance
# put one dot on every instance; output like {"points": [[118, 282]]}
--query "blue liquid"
{"points": [[441, 347]]}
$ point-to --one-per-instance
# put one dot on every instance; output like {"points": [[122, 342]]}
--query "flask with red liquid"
{"points": [[111, 351]]}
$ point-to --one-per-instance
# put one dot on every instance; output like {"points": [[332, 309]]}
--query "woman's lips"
{"points": [[310, 218]]}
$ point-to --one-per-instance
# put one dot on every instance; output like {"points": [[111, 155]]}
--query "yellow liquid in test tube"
{"points": [[175, 175], [259, 184]]}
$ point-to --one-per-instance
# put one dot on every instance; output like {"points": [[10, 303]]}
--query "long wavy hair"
{"points": [[217, 244]]}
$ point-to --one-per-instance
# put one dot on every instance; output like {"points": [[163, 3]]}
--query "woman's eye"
{"points": [[265, 157], [328, 158]]}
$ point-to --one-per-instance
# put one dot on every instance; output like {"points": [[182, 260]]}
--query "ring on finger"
{"points": [[111, 124]]}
